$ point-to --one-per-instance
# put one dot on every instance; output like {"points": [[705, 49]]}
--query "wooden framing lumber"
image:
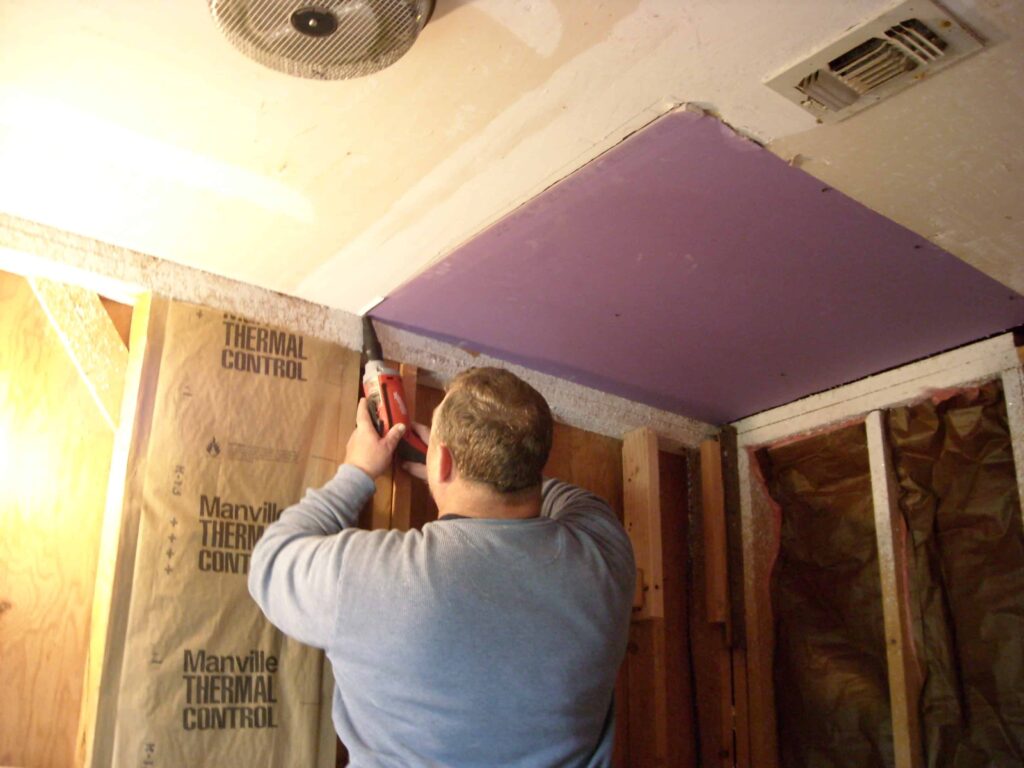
{"points": [[891, 533], [969, 365], [1013, 394], [716, 568], [90, 339], [118, 543], [660, 701], [642, 514], [711, 671], [740, 712], [401, 495], [648, 703], [330, 751], [760, 545]]}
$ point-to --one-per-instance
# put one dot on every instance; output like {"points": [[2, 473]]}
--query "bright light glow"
{"points": [[29, 265], [61, 164], [24, 463], [6, 455]]}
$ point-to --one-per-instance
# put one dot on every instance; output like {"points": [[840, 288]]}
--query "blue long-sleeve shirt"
{"points": [[474, 642]]}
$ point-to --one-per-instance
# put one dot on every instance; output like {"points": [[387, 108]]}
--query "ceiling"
{"points": [[690, 269], [138, 124]]}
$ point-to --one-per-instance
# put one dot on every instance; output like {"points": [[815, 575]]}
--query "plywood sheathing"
{"points": [[56, 452], [571, 403]]}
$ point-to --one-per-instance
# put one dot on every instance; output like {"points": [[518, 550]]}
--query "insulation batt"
{"points": [[243, 418]]}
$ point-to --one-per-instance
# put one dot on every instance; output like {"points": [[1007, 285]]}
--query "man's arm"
{"points": [[296, 564], [294, 569], [591, 516]]}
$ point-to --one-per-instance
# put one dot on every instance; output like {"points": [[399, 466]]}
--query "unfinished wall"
{"points": [[831, 690], [233, 422], [55, 452], [958, 491], [896, 578]]}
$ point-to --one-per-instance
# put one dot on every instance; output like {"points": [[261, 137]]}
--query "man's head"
{"points": [[496, 428]]}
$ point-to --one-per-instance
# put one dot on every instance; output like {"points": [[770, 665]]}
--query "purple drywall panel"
{"points": [[692, 270]]}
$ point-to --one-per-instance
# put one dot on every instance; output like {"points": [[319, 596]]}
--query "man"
{"points": [[490, 638]]}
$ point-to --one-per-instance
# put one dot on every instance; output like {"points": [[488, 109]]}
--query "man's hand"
{"points": [[366, 449], [414, 468]]}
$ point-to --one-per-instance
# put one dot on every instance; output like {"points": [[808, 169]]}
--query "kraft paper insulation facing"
{"points": [[831, 681], [958, 494], [245, 419]]}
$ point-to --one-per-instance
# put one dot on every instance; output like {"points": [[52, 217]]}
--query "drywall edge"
{"points": [[961, 367], [571, 403]]}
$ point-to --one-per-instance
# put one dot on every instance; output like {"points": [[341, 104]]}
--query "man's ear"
{"points": [[446, 465]]}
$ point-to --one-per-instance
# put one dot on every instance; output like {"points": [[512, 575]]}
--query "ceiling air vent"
{"points": [[876, 60]]}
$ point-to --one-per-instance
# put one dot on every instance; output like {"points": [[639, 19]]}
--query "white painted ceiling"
{"points": [[136, 123]]}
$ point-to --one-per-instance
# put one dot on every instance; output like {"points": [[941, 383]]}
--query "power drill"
{"points": [[385, 397]]}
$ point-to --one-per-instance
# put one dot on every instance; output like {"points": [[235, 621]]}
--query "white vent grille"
{"points": [[871, 64], [326, 40], [877, 60], [918, 39]]}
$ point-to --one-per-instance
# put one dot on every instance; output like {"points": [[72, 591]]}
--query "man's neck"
{"points": [[468, 499]]}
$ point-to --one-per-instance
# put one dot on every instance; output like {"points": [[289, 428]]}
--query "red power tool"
{"points": [[386, 397]]}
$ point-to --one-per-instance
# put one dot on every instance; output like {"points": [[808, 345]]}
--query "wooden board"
{"points": [[594, 462], [55, 454], [1013, 393], [905, 676], [734, 536], [661, 720], [741, 714], [401, 493], [760, 547], [89, 339], [716, 567], [648, 703], [642, 516], [681, 730], [121, 315], [422, 506], [712, 664], [331, 750], [119, 538]]}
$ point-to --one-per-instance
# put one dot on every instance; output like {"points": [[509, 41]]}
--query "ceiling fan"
{"points": [[324, 40]]}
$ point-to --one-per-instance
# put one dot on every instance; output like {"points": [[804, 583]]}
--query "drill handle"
{"points": [[386, 400]]}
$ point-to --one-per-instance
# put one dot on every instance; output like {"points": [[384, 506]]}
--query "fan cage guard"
{"points": [[370, 34]]}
